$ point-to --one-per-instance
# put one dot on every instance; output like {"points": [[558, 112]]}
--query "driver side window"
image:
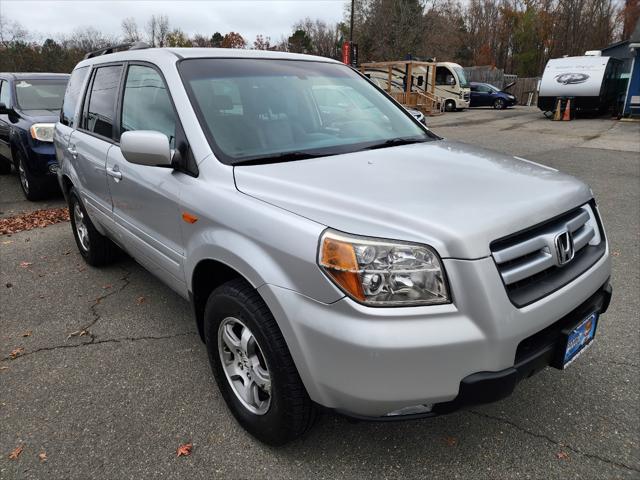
{"points": [[146, 104], [444, 76], [4, 93]]}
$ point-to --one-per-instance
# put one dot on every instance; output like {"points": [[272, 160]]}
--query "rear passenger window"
{"points": [[146, 104], [102, 101], [71, 96]]}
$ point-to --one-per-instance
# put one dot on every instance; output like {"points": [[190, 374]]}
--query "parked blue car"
{"points": [[30, 106], [486, 95]]}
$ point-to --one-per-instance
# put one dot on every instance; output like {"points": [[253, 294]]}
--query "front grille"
{"points": [[530, 264]]}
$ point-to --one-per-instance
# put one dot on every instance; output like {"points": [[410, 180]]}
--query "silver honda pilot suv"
{"points": [[337, 253]]}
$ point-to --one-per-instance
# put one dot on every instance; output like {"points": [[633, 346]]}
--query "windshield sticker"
{"points": [[23, 84]]}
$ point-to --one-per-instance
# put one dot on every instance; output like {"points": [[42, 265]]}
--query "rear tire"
{"points": [[290, 412], [96, 249]]}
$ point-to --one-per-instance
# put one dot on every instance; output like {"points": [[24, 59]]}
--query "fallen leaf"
{"points": [[108, 286], [78, 333], [15, 453], [67, 252], [4, 368], [7, 242], [451, 441], [184, 450], [141, 300], [15, 353], [42, 456], [562, 455], [37, 219], [26, 264], [615, 253], [27, 333]]}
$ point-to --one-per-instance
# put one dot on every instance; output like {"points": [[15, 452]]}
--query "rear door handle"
{"points": [[72, 151], [115, 173]]}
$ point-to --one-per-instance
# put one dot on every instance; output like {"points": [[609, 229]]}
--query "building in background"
{"points": [[627, 51]]}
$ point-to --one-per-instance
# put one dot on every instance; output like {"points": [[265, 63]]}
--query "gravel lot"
{"points": [[116, 403]]}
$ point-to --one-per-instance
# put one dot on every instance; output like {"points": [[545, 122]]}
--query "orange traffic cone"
{"points": [[567, 111], [558, 115]]}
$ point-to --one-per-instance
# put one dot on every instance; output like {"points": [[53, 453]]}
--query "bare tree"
{"points": [[10, 31], [130, 30], [157, 30]]}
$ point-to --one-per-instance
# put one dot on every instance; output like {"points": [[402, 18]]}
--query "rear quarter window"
{"points": [[72, 96]]}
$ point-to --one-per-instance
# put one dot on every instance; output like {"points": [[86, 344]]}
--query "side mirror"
{"points": [[146, 147], [4, 110]]}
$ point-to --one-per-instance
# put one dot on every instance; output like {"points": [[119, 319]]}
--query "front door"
{"points": [[5, 97], [146, 199]]}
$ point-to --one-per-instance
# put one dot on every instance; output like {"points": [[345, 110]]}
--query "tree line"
{"points": [[518, 36]]}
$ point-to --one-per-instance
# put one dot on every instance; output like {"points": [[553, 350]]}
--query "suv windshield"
{"points": [[40, 94], [259, 109]]}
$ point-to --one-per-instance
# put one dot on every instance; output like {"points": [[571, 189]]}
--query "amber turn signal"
{"points": [[187, 217], [338, 259]]}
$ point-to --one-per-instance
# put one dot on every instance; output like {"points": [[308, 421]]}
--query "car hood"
{"points": [[452, 196], [42, 116]]}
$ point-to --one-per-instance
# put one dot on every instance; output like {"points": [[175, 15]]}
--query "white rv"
{"points": [[451, 85]]}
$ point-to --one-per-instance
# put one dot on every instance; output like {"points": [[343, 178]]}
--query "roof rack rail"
{"points": [[117, 48]]}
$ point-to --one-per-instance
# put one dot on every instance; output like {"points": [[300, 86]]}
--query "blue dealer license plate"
{"points": [[580, 338]]}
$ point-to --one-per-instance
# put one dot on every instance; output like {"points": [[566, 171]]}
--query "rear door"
{"points": [[5, 97], [90, 143], [146, 199], [69, 113]]}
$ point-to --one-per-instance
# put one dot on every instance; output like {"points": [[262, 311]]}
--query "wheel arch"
{"points": [[208, 275]]}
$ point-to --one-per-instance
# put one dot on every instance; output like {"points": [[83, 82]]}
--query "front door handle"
{"points": [[72, 151], [115, 173]]}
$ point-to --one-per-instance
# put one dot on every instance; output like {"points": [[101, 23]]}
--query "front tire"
{"points": [[450, 106], [96, 249], [499, 104], [253, 367], [32, 187]]}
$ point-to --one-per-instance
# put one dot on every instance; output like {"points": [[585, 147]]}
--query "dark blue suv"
{"points": [[29, 108]]}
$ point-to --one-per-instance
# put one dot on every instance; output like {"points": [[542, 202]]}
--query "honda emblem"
{"points": [[564, 247]]}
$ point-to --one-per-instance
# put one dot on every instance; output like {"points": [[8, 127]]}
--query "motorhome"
{"points": [[451, 84], [592, 82]]}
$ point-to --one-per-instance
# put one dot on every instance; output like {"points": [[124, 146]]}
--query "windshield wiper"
{"points": [[394, 142], [280, 157]]}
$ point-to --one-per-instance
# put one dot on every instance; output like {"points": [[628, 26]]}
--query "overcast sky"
{"points": [[249, 18]]}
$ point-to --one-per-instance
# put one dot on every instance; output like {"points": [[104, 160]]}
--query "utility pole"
{"points": [[351, 21]]}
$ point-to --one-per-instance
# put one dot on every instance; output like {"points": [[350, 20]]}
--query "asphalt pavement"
{"points": [[112, 377]]}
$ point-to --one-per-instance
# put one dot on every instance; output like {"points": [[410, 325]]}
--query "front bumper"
{"points": [[41, 159], [369, 362], [462, 103]]}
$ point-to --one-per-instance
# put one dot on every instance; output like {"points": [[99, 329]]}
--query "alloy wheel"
{"points": [[81, 227], [244, 365], [23, 175]]}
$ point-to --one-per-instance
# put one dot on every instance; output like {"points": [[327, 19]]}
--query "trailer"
{"points": [[591, 82]]}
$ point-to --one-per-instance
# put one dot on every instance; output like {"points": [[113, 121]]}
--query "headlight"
{"points": [[383, 272], [42, 131]]}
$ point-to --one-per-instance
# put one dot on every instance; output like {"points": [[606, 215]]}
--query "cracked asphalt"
{"points": [[113, 377]]}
